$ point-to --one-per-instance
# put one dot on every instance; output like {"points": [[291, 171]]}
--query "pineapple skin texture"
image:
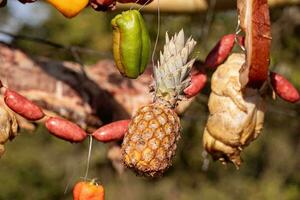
{"points": [[150, 141], [236, 115]]}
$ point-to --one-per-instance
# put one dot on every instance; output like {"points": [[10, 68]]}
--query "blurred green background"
{"points": [[37, 166]]}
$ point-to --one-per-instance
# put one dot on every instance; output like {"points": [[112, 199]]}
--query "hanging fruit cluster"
{"points": [[237, 103], [240, 85]]}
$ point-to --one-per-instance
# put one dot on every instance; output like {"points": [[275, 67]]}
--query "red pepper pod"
{"points": [[283, 88], [220, 52], [22, 106], [66, 130], [112, 132], [198, 82]]}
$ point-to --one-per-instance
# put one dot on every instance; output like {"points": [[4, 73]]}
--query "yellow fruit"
{"points": [[69, 8], [150, 141]]}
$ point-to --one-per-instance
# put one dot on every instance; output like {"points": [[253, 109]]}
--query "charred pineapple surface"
{"points": [[151, 138], [236, 114]]}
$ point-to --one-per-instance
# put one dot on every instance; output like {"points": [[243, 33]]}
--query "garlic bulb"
{"points": [[236, 114]]}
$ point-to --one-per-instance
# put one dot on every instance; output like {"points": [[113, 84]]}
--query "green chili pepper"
{"points": [[131, 43]]}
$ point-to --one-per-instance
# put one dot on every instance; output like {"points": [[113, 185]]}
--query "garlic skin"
{"points": [[236, 114], [8, 127]]}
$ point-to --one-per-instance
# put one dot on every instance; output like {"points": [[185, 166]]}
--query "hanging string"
{"points": [[132, 6], [158, 32], [143, 6], [69, 181], [205, 164], [237, 32], [208, 21], [89, 157], [158, 26]]}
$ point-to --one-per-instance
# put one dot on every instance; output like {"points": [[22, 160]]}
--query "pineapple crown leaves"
{"points": [[172, 73]]}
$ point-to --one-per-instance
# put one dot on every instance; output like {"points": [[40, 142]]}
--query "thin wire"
{"points": [[53, 44], [89, 157], [208, 20], [131, 7], [158, 32], [143, 6], [69, 181], [205, 163], [237, 32]]}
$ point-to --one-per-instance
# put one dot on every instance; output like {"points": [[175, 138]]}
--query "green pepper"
{"points": [[131, 43]]}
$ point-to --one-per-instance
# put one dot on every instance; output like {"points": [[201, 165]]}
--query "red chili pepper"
{"points": [[220, 52], [22, 105], [283, 88], [198, 82], [112, 132], [65, 129]]}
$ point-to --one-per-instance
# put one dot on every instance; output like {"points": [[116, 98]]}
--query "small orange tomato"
{"points": [[88, 191]]}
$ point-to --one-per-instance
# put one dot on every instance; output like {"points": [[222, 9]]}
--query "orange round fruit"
{"points": [[88, 191]]}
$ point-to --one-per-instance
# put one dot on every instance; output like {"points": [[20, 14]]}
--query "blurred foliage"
{"points": [[38, 166]]}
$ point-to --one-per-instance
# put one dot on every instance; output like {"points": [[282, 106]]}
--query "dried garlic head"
{"points": [[8, 125], [236, 114]]}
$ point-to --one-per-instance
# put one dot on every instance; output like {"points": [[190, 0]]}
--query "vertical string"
{"points": [[205, 164], [158, 32], [208, 20], [131, 7], [143, 6], [237, 32], [89, 157], [158, 26]]}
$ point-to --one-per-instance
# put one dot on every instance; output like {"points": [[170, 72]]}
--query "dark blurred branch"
{"points": [[100, 94], [54, 44]]}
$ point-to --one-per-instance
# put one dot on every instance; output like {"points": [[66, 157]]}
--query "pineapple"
{"points": [[150, 141]]}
